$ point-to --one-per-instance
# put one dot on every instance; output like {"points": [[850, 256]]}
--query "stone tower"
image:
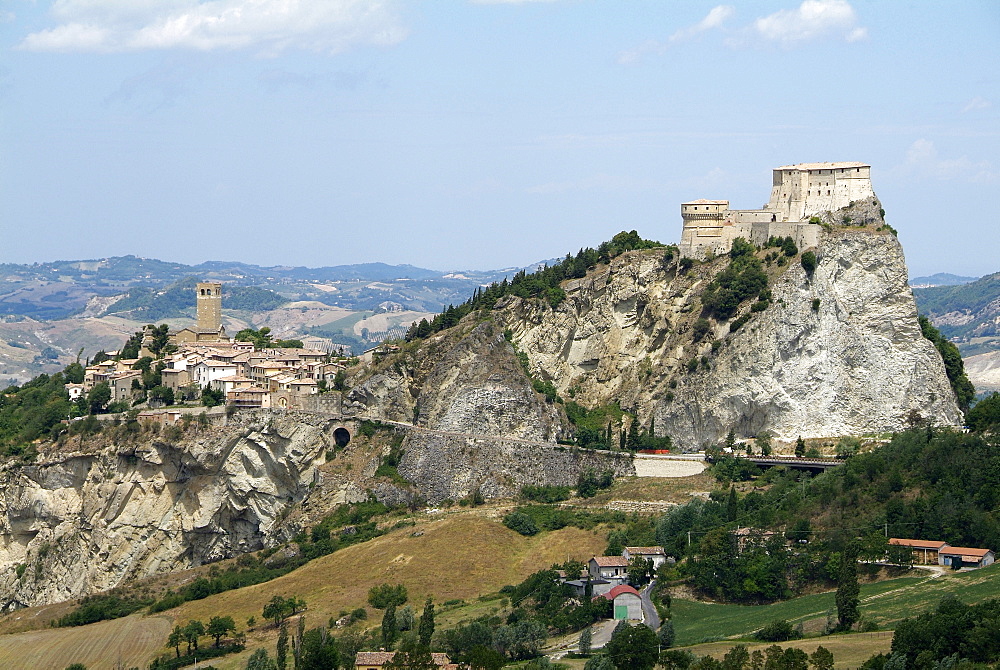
{"points": [[209, 306]]}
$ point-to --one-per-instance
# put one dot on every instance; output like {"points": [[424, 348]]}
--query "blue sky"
{"points": [[451, 134]]}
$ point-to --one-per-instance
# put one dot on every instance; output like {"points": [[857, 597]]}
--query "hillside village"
{"points": [[204, 357]]}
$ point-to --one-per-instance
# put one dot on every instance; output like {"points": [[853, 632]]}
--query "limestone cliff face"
{"points": [[855, 364], [85, 522], [479, 423]]}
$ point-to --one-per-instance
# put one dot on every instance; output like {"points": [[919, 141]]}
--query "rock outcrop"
{"points": [[83, 522], [836, 353]]}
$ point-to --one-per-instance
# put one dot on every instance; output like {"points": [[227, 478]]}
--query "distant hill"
{"points": [[940, 279], [150, 304], [62, 289], [969, 313]]}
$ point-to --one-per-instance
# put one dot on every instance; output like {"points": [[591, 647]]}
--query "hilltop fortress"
{"points": [[797, 193]]}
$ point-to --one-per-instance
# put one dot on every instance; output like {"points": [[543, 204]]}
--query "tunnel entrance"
{"points": [[342, 437]]}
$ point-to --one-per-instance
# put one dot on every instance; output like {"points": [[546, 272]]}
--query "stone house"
{"points": [[612, 568], [654, 554]]}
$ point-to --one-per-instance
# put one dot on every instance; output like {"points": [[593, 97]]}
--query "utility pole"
{"points": [[689, 538]]}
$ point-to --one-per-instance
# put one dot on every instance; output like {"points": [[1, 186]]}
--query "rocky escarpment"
{"points": [[836, 352], [76, 523], [480, 426]]}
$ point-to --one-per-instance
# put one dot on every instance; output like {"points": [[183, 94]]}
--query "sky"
{"points": [[456, 134]]}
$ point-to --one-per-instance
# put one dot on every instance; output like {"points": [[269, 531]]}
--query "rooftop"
{"points": [[611, 561], [618, 590], [702, 201], [964, 551], [918, 544], [822, 166], [644, 550]]}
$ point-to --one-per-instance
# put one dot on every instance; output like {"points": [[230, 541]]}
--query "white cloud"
{"points": [[714, 19], [269, 25], [813, 19], [922, 160], [976, 103]]}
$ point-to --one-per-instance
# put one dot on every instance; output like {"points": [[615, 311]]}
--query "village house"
{"points": [[612, 568], [627, 602], [163, 418], [965, 557], [654, 554], [207, 371], [598, 586], [75, 391]]}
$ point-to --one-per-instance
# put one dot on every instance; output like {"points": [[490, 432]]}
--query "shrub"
{"points": [[521, 523], [809, 262], [815, 304], [545, 493], [700, 329], [778, 630]]}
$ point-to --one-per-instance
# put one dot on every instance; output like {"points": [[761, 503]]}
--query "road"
{"points": [[649, 615]]}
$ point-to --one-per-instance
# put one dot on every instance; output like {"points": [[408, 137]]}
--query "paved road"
{"points": [[649, 615]]}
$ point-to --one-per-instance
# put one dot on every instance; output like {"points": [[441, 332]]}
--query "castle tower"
{"points": [[209, 306]]}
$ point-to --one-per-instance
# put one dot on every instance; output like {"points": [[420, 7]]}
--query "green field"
{"points": [[884, 602]]}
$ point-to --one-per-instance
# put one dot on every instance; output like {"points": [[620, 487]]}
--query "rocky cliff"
{"points": [[836, 352], [87, 520]]}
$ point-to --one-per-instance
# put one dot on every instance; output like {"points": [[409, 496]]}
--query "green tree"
{"points": [[76, 666], [219, 627], [281, 649], [389, 630], [412, 656], [986, 414], [586, 637], [383, 595], [175, 639], [665, 636], [635, 648], [426, 629], [259, 660], [848, 591], [194, 630], [821, 659], [481, 657], [809, 262], [277, 610], [317, 650], [800, 447], [954, 367], [99, 397]]}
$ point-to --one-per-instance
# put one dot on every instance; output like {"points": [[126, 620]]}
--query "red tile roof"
{"points": [[619, 590], [964, 551]]}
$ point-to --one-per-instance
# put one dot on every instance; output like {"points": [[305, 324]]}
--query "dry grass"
{"points": [[133, 640], [460, 557], [656, 489], [849, 651]]}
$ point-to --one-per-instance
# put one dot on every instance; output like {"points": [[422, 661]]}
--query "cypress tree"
{"points": [[848, 590], [426, 628]]}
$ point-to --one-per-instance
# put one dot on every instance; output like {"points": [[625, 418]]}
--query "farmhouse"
{"points": [[654, 554], [965, 557], [612, 568]]}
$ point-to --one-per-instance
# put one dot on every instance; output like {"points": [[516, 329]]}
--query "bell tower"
{"points": [[209, 306]]}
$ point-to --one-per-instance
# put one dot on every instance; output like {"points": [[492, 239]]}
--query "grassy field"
{"points": [[849, 651], [459, 557], [884, 602], [132, 640]]}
